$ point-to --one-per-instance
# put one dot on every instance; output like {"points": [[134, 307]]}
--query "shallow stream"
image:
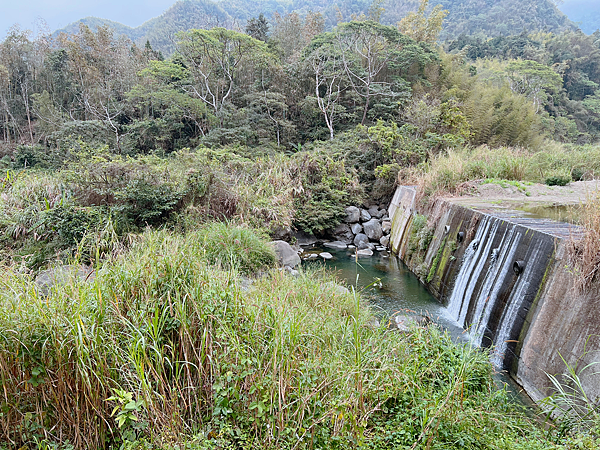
{"points": [[393, 289]]}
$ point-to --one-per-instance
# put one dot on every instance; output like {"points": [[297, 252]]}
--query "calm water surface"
{"points": [[392, 289]]}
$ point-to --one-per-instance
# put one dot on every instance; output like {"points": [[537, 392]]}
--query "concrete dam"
{"points": [[507, 280]]}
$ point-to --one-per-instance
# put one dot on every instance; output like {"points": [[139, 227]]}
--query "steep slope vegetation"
{"points": [[488, 17], [586, 13]]}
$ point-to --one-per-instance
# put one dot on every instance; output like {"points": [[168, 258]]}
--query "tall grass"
{"points": [[185, 354], [585, 252], [451, 172]]}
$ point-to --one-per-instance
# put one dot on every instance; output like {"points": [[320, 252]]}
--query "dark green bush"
{"points": [[328, 186], [26, 156], [558, 180], [144, 203]]}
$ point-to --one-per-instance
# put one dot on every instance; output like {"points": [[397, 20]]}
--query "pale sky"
{"points": [[59, 13]]}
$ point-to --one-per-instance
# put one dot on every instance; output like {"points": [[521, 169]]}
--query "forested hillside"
{"points": [[585, 13], [490, 18]]}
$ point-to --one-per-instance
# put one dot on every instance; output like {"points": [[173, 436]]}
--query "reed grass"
{"points": [[449, 173], [166, 350]]}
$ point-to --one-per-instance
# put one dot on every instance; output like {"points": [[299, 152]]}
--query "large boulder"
{"points": [[361, 241], [385, 241], [48, 279], [343, 233], [336, 288], [281, 234], [386, 226], [364, 215], [286, 255], [352, 214], [303, 239], [356, 228], [376, 212], [338, 245], [373, 229]]}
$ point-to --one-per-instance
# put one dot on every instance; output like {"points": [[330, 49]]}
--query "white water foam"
{"points": [[485, 251], [466, 269], [512, 309], [493, 283]]}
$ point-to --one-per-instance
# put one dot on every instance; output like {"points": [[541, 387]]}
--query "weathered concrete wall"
{"points": [[533, 316]]}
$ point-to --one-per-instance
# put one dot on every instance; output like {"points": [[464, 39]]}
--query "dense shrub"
{"points": [[236, 248], [327, 188]]}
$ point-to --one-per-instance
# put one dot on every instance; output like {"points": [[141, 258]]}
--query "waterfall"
{"points": [[474, 261], [482, 260], [514, 304], [493, 282], [466, 271]]}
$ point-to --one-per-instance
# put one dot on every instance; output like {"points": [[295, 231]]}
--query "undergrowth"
{"points": [[165, 350]]}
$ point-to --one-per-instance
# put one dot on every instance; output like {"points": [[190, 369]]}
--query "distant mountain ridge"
{"points": [[586, 13], [488, 17]]}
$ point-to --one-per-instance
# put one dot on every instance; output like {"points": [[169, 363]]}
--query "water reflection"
{"points": [[393, 289]]}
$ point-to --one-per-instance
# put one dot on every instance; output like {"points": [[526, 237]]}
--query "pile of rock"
{"points": [[363, 229]]}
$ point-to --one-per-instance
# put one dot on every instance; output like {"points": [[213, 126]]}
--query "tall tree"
{"points": [[103, 69], [374, 56], [220, 61], [327, 67], [422, 27], [258, 28]]}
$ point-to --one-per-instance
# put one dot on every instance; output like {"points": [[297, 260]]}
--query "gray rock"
{"points": [[386, 226], [351, 247], [365, 252], [286, 255], [304, 239], [380, 249], [338, 245], [385, 241], [356, 228], [361, 239], [337, 289], [292, 272], [281, 234], [246, 283], [405, 322], [312, 256], [374, 211], [343, 233], [352, 214], [373, 323], [60, 275], [373, 230], [364, 215], [326, 255]]}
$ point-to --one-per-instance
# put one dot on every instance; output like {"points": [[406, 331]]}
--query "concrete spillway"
{"points": [[505, 279]]}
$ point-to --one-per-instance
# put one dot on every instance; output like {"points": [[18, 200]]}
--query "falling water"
{"points": [[493, 282], [482, 260], [466, 271], [511, 311]]}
